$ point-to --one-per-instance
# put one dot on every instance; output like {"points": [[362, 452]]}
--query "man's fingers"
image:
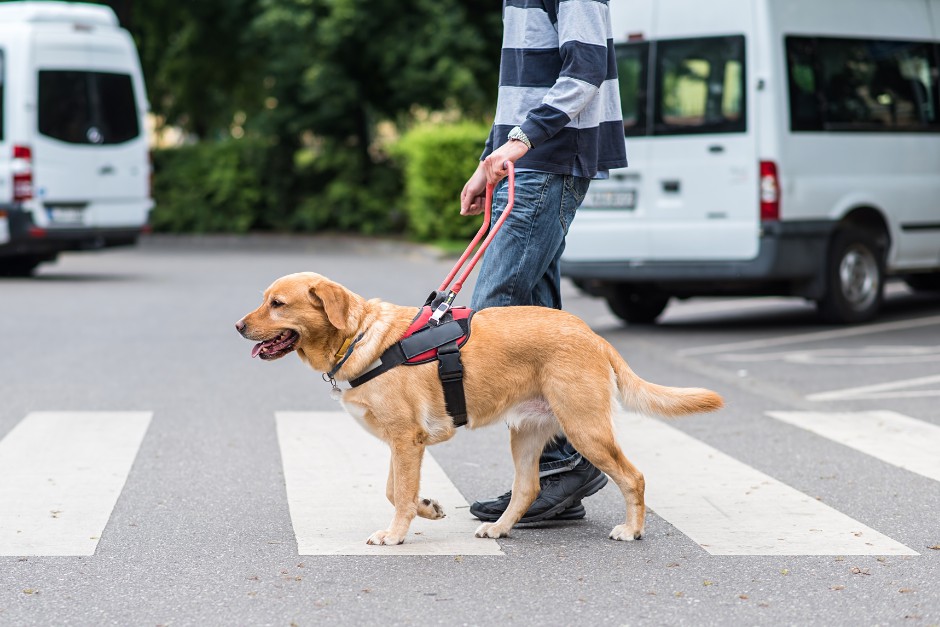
{"points": [[474, 206], [492, 169]]}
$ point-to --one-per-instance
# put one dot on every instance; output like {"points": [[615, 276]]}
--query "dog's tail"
{"points": [[648, 398]]}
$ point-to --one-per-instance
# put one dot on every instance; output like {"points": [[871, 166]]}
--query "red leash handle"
{"points": [[486, 242]]}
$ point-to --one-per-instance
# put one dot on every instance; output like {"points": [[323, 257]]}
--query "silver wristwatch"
{"points": [[516, 133]]}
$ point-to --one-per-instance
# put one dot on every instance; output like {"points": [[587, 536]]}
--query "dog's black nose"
{"points": [[240, 326]]}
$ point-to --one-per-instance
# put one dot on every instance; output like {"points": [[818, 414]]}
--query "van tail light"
{"points": [[22, 173], [769, 191], [150, 174]]}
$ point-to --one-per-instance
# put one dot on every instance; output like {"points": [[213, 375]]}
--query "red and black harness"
{"points": [[425, 342], [439, 330]]}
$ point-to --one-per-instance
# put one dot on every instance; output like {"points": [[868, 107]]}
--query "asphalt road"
{"points": [[201, 532]]}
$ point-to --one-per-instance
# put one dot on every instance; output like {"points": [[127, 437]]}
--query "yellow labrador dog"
{"points": [[541, 370]]}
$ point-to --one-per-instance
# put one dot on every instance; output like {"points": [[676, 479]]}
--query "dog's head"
{"points": [[305, 312]]}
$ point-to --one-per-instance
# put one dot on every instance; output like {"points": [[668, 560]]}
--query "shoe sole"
{"points": [[575, 512], [555, 512]]}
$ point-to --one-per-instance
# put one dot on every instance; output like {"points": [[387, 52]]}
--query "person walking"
{"points": [[558, 120]]}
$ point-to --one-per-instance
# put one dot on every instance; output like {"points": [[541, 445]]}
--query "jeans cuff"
{"points": [[556, 467]]}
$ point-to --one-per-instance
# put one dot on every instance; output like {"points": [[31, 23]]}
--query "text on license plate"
{"points": [[66, 215], [603, 199]]}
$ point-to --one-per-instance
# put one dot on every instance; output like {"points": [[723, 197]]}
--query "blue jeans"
{"points": [[521, 265]]}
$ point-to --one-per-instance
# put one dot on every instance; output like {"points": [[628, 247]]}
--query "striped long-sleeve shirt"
{"points": [[558, 81]]}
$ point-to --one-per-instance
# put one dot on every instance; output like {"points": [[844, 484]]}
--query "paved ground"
{"points": [[152, 468]]}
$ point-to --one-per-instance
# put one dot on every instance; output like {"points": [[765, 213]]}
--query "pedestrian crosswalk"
{"points": [[61, 474]]}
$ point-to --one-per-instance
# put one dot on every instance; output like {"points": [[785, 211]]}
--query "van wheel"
{"points": [[637, 307], [19, 265], [924, 282], [855, 278]]}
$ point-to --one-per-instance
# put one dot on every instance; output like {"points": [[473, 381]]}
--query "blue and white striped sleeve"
{"points": [[583, 33]]}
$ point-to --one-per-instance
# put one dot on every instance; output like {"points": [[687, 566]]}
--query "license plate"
{"points": [[603, 199], [66, 215], [4, 230]]}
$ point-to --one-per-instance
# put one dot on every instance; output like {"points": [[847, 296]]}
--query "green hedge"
{"points": [[209, 187], [437, 161], [344, 191], [236, 186]]}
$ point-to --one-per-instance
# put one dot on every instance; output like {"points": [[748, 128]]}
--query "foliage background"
{"points": [[296, 113]]}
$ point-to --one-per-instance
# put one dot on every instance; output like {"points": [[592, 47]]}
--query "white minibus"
{"points": [[776, 147], [74, 161]]}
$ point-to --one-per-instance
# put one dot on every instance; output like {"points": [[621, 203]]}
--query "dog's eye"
{"points": [[276, 303]]}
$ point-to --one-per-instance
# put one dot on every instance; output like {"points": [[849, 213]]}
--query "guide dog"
{"points": [[540, 370]]}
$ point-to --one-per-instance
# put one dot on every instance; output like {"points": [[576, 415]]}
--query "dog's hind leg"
{"points": [[426, 508], [585, 415], [527, 441]]}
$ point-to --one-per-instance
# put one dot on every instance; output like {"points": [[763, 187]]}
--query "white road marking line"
{"points": [[892, 389], [730, 508], [812, 337], [61, 474], [335, 474], [894, 438], [864, 356]]}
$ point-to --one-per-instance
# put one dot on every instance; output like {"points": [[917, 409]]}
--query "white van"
{"points": [[776, 147], [74, 160]]}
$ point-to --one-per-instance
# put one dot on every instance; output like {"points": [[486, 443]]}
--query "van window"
{"points": [[87, 107], [3, 71], [632, 61], [862, 85], [700, 86]]}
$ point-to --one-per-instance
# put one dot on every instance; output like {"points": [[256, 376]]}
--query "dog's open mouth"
{"points": [[277, 346]]}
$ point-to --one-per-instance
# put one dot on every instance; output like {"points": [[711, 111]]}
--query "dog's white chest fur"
{"points": [[358, 412]]}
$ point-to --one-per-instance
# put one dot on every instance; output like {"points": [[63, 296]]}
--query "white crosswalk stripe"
{"points": [[730, 508], [335, 474], [899, 440], [60, 475]]}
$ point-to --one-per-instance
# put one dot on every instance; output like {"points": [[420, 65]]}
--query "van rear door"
{"points": [[703, 162], [90, 153]]}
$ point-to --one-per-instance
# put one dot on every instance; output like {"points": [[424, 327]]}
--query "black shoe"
{"points": [[559, 493], [486, 510]]}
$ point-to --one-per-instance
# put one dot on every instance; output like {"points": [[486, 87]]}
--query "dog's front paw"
{"points": [[384, 537], [490, 530], [431, 509], [625, 533]]}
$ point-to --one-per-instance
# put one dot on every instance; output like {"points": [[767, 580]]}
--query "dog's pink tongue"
{"points": [[256, 349]]}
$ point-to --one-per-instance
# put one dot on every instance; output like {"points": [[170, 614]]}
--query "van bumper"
{"points": [[791, 260], [23, 238]]}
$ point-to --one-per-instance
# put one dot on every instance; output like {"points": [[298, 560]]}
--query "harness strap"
{"points": [[445, 339], [450, 371], [393, 356]]}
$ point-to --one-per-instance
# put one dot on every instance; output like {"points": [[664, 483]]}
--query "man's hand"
{"points": [[490, 170], [473, 196], [512, 151]]}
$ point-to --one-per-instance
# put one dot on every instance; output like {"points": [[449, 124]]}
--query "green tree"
{"points": [[334, 69], [311, 81]]}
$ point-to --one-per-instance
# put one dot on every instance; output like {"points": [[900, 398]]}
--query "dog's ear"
{"points": [[334, 301]]}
